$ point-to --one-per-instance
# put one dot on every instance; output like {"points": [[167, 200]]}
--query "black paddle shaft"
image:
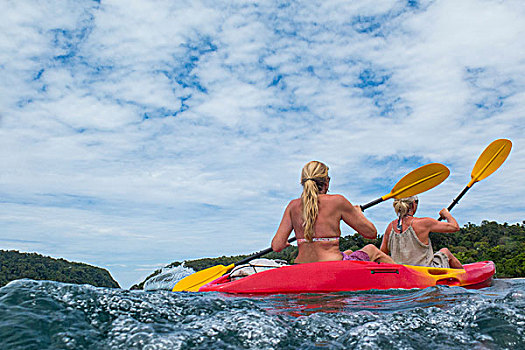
{"points": [[261, 253], [371, 204], [456, 200]]}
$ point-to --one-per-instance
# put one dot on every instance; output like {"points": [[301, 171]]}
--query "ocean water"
{"points": [[51, 315]]}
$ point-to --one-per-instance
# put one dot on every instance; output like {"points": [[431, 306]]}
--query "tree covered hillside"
{"points": [[502, 243], [15, 265]]}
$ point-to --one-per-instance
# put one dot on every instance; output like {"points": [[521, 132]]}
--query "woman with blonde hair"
{"points": [[407, 240], [315, 218]]}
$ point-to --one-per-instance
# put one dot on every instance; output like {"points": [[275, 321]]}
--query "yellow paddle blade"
{"points": [[420, 180], [490, 160], [193, 282]]}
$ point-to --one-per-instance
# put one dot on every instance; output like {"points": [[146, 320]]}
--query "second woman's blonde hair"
{"points": [[403, 205], [313, 177]]}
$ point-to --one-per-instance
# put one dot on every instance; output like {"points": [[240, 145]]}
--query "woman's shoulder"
{"points": [[335, 200], [333, 197], [423, 219], [294, 203], [392, 225], [422, 222]]}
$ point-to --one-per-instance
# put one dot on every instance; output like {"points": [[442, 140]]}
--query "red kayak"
{"points": [[343, 276]]}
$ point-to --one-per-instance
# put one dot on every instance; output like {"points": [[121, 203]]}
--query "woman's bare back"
{"points": [[332, 209]]}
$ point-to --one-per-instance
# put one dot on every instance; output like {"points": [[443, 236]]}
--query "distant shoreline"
{"points": [[19, 265]]}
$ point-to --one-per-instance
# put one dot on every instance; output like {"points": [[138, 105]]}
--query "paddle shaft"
{"points": [[261, 253], [456, 200], [371, 204]]}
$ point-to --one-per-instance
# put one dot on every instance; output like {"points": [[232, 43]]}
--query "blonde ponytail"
{"points": [[313, 177], [402, 206]]}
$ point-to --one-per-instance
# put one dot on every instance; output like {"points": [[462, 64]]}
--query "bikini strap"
{"points": [[320, 239]]}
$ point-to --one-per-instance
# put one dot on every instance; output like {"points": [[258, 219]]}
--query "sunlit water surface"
{"points": [[51, 315]]}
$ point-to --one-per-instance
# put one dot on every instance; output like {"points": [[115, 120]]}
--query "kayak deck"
{"points": [[342, 276]]}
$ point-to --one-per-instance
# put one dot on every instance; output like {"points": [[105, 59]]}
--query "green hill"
{"points": [[15, 265], [502, 243]]}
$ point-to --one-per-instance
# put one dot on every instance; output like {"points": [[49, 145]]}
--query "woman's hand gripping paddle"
{"points": [[420, 180], [488, 162]]}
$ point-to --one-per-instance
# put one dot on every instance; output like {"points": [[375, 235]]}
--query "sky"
{"points": [[138, 133]]}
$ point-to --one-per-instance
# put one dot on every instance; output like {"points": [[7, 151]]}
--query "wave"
{"points": [[167, 278], [43, 314]]}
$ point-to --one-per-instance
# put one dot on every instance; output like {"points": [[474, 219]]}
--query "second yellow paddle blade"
{"points": [[420, 180], [193, 282], [490, 160]]}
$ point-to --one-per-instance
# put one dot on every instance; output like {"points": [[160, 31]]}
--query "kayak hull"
{"points": [[343, 276]]}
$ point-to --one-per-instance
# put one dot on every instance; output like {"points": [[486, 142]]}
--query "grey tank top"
{"points": [[405, 248]]}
